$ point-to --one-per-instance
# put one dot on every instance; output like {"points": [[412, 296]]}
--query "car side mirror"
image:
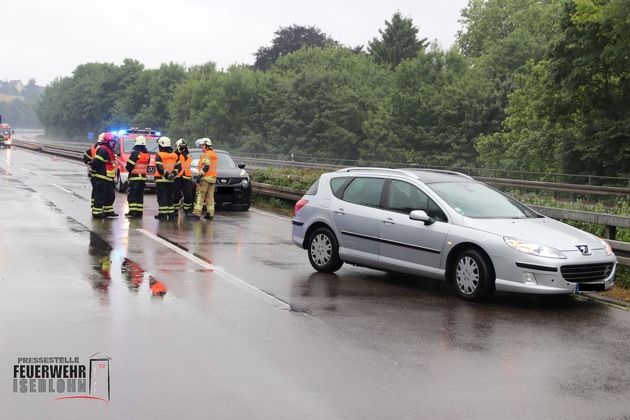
{"points": [[241, 165], [422, 216]]}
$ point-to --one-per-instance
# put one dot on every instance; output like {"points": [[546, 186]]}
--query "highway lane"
{"points": [[226, 319]]}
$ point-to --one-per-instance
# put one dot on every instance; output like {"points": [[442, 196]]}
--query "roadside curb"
{"points": [[604, 299]]}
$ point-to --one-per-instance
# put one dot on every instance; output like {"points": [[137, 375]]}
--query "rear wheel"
{"points": [[473, 275], [323, 251]]}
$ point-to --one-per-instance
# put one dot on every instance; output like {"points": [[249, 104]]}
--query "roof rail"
{"points": [[439, 171], [404, 172]]}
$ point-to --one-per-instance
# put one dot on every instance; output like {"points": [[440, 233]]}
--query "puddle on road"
{"points": [[132, 273]]}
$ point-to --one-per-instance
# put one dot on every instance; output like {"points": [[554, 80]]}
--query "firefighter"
{"points": [[183, 181], [103, 173], [137, 166], [167, 167], [88, 156], [207, 179]]}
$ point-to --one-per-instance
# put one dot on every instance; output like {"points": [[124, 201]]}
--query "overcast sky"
{"points": [[46, 39]]}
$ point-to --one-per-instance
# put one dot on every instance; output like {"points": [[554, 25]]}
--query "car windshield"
{"points": [[478, 201], [224, 160], [5, 131], [152, 145]]}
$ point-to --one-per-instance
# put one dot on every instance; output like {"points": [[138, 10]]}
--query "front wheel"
{"points": [[474, 275], [323, 251]]}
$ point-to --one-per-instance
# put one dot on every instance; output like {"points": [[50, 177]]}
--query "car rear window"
{"points": [[313, 189]]}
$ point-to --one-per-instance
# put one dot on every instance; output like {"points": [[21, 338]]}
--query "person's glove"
{"points": [[198, 180], [171, 176]]}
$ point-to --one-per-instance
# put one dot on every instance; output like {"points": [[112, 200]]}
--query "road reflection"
{"points": [[100, 255], [132, 273]]}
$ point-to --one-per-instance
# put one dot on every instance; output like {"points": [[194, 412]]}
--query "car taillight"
{"points": [[301, 203]]}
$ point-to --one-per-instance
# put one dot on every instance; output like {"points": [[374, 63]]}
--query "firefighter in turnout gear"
{"points": [[167, 166], [207, 179], [88, 156], [137, 166], [183, 181], [103, 173]]}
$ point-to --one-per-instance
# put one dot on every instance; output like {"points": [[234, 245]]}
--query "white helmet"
{"points": [[141, 141], [205, 141], [100, 137], [164, 142], [180, 142]]}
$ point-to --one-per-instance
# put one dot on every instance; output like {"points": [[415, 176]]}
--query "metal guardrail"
{"points": [[610, 221]]}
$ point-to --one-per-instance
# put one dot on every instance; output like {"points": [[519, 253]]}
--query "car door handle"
{"points": [[340, 211], [389, 221]]}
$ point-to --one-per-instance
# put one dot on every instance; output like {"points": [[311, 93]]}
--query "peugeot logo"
{"points": [[584, 249]]}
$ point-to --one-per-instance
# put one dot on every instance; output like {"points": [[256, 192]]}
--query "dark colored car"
{"points": [[233, 188]]}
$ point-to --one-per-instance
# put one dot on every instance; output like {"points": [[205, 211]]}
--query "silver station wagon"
{"points": [[445, 225]]}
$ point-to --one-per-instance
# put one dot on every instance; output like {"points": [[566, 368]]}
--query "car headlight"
{"points": [[245, 183], [533, 248], [607, 247]]}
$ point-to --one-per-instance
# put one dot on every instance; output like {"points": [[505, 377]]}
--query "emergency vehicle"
{"points": [[124, 149], [5, 136]]}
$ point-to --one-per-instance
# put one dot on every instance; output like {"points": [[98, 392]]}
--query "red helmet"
{"points": [[109, 136]]}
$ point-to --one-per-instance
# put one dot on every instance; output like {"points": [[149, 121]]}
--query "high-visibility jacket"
{"points": [[103, 164], [185, 172], [137, 165], [166, 163], [208, 160], [90, 153]]}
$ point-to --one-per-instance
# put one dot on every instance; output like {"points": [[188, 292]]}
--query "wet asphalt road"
{"points": [[226, 319]]}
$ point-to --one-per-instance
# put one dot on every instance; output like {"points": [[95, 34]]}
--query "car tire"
{"points": [[323, 251], [473, 275]]}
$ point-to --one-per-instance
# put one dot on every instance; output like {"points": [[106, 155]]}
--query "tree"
{"points": [[398, 41], [219, 105], [437, 109], [315, 101], [288, 40]]}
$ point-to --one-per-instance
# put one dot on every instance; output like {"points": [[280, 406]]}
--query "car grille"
{"points": [[228, 181], [586, 272]]}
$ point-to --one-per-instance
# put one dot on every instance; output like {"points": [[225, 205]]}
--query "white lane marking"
{"points": [[224, 275], [26, 170], [63, 189], [269, 214]]}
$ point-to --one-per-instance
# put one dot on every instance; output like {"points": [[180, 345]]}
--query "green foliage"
{"points": [[288, 40], [531, 85], [314, 102], [568, 113], [220, 105], [399, 41], [436, 110], [298, 179]]}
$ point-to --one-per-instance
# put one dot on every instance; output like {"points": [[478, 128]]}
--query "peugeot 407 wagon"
{"points": [[445, 225]]}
